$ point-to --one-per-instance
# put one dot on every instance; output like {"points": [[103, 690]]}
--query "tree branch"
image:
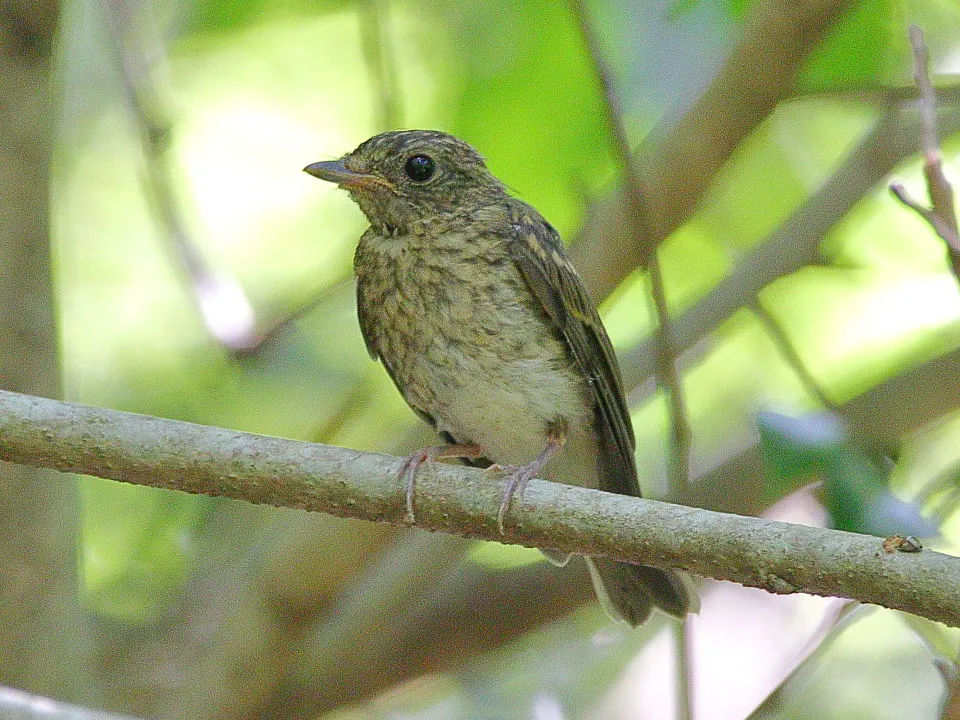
{"points": [[796, 242], [682, 158], [941, 215], [19, 705], [776, 556]]}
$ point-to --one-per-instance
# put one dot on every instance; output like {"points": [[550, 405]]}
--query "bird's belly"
{"points": [[510, 420], [508, 407]]}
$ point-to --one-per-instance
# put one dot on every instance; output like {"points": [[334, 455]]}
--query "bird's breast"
{"points": [[467, 342]]}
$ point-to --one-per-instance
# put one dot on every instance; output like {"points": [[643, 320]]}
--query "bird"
{"points": [[467, 297]]}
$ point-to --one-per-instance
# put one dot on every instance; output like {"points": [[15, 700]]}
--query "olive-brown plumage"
{"points": [[467, 297]]}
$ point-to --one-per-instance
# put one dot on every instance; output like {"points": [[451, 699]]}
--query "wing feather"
{"points": [[538, 253]]}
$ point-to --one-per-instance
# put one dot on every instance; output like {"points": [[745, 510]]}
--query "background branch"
{"points": [[795, 243], [775, 556], [44, 630], [941, 215], [19, 705], [223, 305], [683, 157]]}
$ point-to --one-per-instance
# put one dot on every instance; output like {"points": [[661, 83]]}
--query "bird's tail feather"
{"points": [[629, 592]]}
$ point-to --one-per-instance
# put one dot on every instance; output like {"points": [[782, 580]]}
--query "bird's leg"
{"points": [[520, 475], [428, 455]]}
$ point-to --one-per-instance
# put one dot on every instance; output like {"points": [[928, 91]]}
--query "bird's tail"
{"points": [[629, 592]]}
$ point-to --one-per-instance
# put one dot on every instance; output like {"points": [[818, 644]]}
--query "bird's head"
{"points": [[409, 178]]}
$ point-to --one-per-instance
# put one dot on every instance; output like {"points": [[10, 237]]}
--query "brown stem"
{"points": [[941, 215]]}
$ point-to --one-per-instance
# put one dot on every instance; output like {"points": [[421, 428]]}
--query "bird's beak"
{"points": [[336, 172]]}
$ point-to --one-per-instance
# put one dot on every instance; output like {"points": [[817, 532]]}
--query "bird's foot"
{"points": [[427, 455], [517, 476]]}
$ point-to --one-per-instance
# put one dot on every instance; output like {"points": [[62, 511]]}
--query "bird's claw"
{"points": [[409, 471], [411, 466], [519, 475], [517, 478]]}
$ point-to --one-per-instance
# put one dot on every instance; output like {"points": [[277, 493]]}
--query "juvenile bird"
{"points": [[467, 297]]}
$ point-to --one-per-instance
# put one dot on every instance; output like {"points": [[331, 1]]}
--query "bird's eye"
{"points": [[419, 168]]}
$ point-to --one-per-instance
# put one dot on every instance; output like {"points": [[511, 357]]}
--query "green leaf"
{"points": [[855, 491], [855, 52], [530, 101]]}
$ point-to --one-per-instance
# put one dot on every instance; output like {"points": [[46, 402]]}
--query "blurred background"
{"points": [[161, 252]]}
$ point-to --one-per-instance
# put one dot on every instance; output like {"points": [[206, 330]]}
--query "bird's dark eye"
{"points": [[419, 168]]}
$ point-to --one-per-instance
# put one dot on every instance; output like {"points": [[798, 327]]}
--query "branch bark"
{"points": [[44, 632], [775, 556]]}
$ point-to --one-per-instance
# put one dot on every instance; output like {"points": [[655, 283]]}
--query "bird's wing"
{"points": [[538, 253]]}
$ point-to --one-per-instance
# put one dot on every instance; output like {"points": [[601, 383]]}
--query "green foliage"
{"points": [[735, 8], [136, 547], [857, 51], [855, 491], [228, 16], [528, 97]]}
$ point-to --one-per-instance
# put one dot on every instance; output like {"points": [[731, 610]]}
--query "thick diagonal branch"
{"points": [[681, 159]]}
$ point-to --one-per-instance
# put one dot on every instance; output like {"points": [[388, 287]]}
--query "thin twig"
{"points": [[683, 644], [375, 42], [667, 373], [941, 215], [790, 353], [226, 311], [669, 377], [279, 323]]}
